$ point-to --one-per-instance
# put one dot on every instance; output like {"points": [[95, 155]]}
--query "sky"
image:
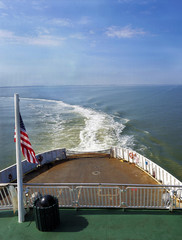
{"points": [[85, 42]]}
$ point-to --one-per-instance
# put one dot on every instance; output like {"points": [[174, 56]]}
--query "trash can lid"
{"points": [[47, 201]]}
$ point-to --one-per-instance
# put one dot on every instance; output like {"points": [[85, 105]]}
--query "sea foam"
{"points": [[77, 127]]}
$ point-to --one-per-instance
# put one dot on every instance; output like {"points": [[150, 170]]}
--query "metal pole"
{"points": [[18, 161]]}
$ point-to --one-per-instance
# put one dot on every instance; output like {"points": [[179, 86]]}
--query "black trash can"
{"points": [[46, 212]]}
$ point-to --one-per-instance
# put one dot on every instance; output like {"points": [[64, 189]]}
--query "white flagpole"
{"points": [[18, 161]]}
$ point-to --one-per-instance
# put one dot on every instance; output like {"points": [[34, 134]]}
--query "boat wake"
{"points": [[74, 127]]}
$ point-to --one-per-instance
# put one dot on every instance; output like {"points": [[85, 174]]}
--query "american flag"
{"points": [[26, 146]]}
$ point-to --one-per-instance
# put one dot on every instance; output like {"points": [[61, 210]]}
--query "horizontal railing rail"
{"points": [[93, 195], [151, 168], [73, 152], [166, 195], [9, 174], [161, 175], [108, 195]]}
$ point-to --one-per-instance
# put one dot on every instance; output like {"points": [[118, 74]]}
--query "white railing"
{"points": [[74, 152], [9, 174], [5, 197], [109, 195], [151, 168], [72, 195], [165, 196], [162, 176]]}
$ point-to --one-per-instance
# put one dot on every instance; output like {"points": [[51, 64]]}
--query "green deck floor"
{"points": [[97, 224]]}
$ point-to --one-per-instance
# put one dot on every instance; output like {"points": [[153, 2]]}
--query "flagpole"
{"points": [[18, 161]]}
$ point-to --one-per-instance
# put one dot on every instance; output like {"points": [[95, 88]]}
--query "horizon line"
{"points": [[90, 85]]}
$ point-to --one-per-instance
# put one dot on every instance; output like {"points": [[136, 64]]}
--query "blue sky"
{"points": [[54, 42]]}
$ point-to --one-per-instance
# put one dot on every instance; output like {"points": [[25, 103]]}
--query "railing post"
{"points": [[114, 152], [122, 150], [128, 155]]}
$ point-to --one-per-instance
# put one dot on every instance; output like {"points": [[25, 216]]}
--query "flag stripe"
{"points": [[27, 143], [26, 146]]}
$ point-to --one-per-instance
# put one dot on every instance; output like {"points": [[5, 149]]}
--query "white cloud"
{"points": [[91, 32], [5, 34], [78, 36], [39, 5], [42, 31], [93, 44], [67, 22], [45, 40], [84, 20], [125, 1], [125, 32], [3, 15], [2, 5], [63, 22], [136, 1], [40, 40]]}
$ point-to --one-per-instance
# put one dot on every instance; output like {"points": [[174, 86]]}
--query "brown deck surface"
{"points": [[98, 168]]}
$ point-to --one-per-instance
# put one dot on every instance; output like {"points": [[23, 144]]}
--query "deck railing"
{"points": [[151, 168], [167, 195], [98, 195], [5, 197], [9, 174], [74, 152], [109, 195]]}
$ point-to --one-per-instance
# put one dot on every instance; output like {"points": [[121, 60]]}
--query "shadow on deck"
{"points": [[97, 224]]}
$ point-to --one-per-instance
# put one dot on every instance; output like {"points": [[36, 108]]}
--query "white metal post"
{"points": [[18, 161]]}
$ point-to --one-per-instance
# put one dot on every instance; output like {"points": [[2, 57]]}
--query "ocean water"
{"points": [[147, 119]]}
